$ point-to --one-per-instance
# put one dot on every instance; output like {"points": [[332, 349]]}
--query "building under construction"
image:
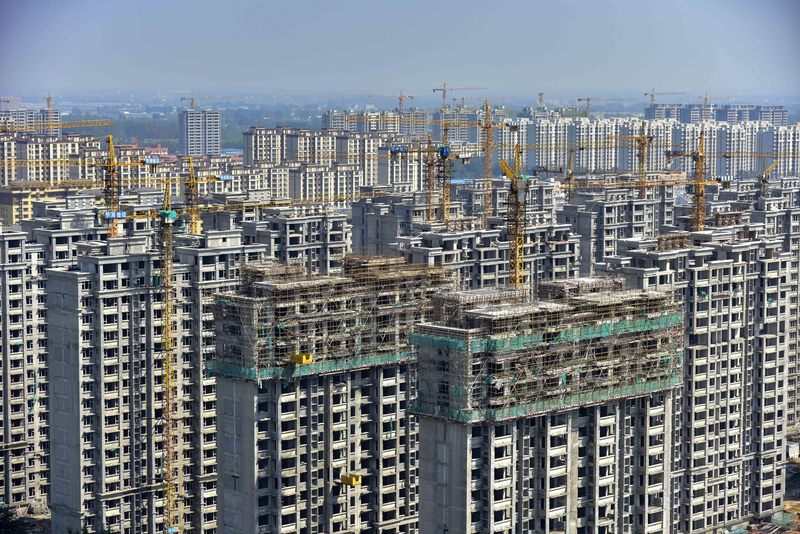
{"points": [[550, 415], [315, 376]]}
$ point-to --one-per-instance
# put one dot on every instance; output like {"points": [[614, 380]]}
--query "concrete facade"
{"points": [[314, 407]]}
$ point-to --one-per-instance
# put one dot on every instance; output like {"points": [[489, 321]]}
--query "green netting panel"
{"points": [[219, 367], [439, 342], [782, 519], [622, 327], [563, 402], [531, 341], [505, 344]]}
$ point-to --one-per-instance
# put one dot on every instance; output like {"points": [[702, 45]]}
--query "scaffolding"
{"points": [[289, 323], [492, 357]]}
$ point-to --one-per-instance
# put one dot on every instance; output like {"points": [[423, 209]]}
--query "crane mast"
{"points": [[568, 180], [169, 465], [430, 177], [192, 200], [488, 147], [763, 180], [516, 218], [643, 141], [699, 192], [699, 183], [444, 167], [111, 190]]}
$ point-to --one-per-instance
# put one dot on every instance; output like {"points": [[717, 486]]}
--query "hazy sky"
{"points": [[727, 47]]}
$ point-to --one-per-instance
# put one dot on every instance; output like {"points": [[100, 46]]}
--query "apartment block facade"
{"points": [[535, 416], [314, 378]]}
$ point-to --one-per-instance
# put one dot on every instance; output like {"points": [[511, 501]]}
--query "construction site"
{"points": [[567, 395], [315, 376], [233, 369]]}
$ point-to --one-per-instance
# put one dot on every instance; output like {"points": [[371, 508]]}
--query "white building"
{"points": [[199, 132]]}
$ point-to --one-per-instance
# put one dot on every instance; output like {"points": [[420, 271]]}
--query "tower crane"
{"points": [[444, 89], [429, 154], [568, 180], [706, 109], [699, 184], [401, 98], [642, 141], [569, 172], [706, 97], [444, 174], [588, 100], [66, 162], [47, 184], [170, 462], [652, 94], [192, 191], [517, 195], [438, 165]]}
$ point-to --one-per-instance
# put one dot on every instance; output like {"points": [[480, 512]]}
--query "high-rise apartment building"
{"points": [[8, 102], [28, 119], [314, 237], [732, 113], [461, 123], [263, 145], [740, 291], [106, 365], [199, 132], [24, 444], [552, 415], [314, 383], [339, 120]]}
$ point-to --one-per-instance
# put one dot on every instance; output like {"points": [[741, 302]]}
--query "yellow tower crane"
{"points": [[642, 141], [517, 195], [170, 466], [569, 171], [438, 165], [699, 183], [444, 174], [192, 192], [401, 98]]}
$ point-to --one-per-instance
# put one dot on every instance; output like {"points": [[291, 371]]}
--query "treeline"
{"points": [[163, 130]]}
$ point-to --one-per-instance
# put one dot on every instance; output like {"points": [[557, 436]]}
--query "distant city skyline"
{"points": [[512, 48]]}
